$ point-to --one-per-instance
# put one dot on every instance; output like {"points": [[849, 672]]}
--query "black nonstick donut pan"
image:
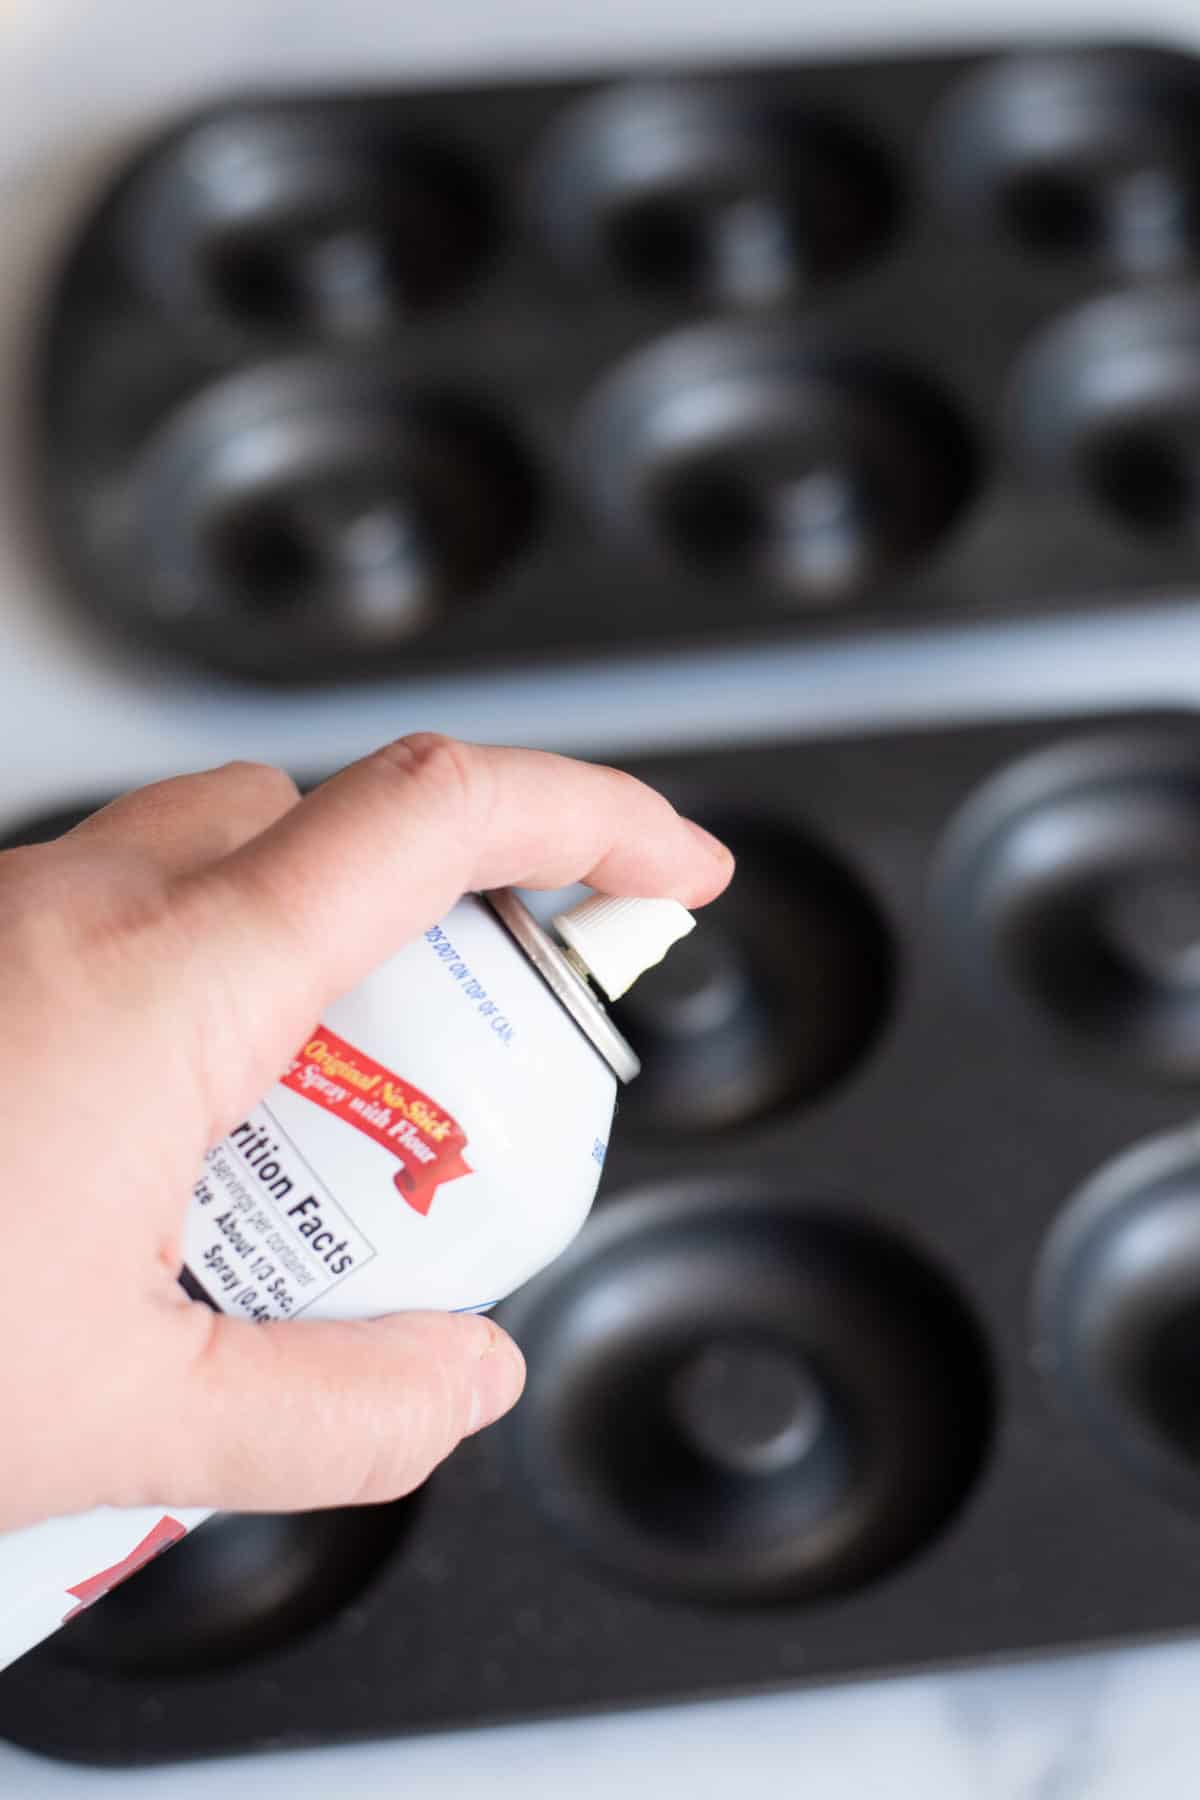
{"points": [[378, 381], [880, 1348]]}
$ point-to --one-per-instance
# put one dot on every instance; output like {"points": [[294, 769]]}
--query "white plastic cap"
{"points": [[618, 940]]}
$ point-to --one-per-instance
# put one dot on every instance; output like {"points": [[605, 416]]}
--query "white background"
{"points": [[77, 78]]}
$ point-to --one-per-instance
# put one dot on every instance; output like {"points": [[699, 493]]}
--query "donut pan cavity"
{"points": [[878, 1351], [342, 384]]}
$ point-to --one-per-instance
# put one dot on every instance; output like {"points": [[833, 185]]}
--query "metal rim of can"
{"points": [[565, 982]]}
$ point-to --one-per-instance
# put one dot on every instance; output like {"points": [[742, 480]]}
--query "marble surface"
{"points": [[75, 79]]}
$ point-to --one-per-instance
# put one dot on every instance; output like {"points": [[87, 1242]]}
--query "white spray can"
{"points": [[436, 1140]]}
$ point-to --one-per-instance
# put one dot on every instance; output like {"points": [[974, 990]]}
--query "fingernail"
{"points": [[713, 845], [499, 1378]]}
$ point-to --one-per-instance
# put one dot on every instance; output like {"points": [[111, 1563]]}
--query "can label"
{"points": [[428, 1142], [265, 1238]]}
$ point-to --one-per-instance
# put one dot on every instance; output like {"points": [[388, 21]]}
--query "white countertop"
{"points": [[75, 78]]}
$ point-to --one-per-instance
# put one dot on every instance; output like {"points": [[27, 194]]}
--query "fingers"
{"points": [[270, 1417], [384, 849], [186, 823]]}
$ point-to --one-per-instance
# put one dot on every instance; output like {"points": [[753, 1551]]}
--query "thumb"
{"points": [[297, 1415]]}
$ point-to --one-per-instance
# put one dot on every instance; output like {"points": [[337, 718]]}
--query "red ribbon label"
{"points": [[392, 1112], [160, 1537]]}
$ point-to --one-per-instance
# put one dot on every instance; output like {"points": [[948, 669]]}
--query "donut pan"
{"points": [[879, 1350], [343, 384]]}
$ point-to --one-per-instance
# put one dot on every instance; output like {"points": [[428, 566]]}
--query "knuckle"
{"points": [[261, 782], [395, 1463], [445, 766], [379, 1478]]}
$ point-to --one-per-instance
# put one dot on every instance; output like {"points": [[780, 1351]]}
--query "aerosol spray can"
{"points": [[435, 1141]]}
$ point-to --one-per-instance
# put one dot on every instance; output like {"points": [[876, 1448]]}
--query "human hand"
{"points": [[160, 964]]}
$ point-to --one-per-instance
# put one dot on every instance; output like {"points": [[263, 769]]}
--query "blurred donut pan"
{"points": [[398, 380], [880, 1348]]}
